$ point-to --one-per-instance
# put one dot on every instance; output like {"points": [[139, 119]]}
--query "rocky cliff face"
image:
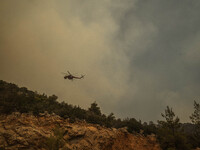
{"points": [[25, 131]]}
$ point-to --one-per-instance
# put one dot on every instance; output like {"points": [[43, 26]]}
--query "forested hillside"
{"points": [[15, 99], [170, 132]]}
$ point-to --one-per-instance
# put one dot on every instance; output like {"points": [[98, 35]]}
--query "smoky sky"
{"points": [[137, 56]]}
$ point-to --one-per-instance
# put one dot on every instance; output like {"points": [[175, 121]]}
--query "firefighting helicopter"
{"points": [[69, 76]]}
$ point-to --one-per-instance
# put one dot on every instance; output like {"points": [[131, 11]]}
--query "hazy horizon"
{"points": [[137, 56]]}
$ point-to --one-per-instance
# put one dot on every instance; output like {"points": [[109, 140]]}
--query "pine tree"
{"points": [[195, 118], [95, 109], [171, 122], [170, 134]]}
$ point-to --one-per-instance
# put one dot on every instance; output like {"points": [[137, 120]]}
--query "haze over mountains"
{"points": [[138, 56]]}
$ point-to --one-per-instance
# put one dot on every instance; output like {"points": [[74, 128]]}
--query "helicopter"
{"points": [[69, 76]]}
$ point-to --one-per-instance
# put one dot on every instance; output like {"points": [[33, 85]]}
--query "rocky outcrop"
{"points": [[25, 131]]}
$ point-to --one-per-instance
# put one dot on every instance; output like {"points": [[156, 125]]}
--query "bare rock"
{"points": [[25, 131]]}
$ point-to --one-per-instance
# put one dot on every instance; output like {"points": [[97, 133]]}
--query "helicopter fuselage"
{"points": [[70, 77]]}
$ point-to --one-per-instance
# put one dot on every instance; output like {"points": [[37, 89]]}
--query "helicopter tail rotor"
{"points": [[82, 76]]}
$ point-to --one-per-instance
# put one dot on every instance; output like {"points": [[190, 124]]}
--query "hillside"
{"points": [[25, 131], [29, 120], [15, 99], [26, 123]]}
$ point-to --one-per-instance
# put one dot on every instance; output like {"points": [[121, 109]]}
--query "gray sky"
{"points": [[138, 56]]}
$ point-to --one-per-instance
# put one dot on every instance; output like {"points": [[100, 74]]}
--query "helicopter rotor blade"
{"points": [[69, 72], [63, 73]]}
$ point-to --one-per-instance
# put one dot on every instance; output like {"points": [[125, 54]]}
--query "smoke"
{"points": [[137, 56], [41, 39]]}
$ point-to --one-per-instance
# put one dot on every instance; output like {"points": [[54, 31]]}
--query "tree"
{"points": [[195, 118], [110, 120], [53, 98], [170, 134], [132, 125], [95, 109], [171, 122], [149, 128]]}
